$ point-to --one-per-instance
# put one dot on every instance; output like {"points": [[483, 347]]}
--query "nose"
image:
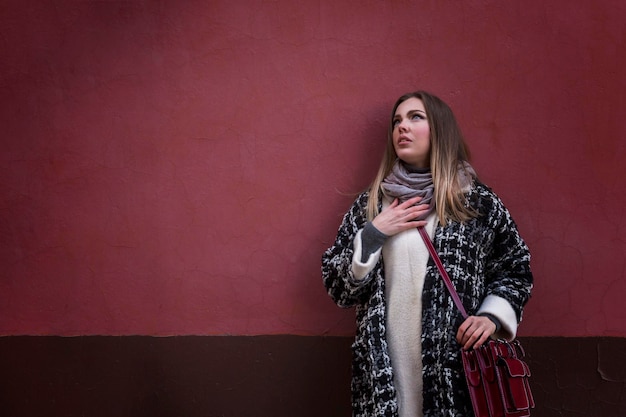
{"points": [[403, 126]]}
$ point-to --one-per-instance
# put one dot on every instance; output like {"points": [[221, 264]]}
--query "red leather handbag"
{"points": [[497, 375]]}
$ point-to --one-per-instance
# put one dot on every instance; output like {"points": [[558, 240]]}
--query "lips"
{"points": [[403, 140]]}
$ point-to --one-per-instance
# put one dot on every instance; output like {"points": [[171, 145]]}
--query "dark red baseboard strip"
{"points": [[249, 376]]}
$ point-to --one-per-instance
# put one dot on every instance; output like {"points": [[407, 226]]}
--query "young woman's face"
{"points": [[411, 133]]}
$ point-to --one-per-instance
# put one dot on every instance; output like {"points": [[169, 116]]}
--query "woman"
{"points": [[406, 354]]}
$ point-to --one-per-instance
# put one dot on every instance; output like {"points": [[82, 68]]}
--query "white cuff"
{"points": [[360, 269], [502, 310]]}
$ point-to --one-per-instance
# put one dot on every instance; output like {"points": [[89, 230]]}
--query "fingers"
{"points": [[417, 211], [410, 212], [475, 331], [398, 217], [408, 207], [410, 202]]}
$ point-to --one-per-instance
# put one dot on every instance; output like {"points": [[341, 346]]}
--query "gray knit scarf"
{"points": [[405, 182]]}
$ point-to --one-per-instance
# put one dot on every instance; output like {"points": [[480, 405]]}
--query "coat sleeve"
{"points": [[508, 274], [337, 272]]}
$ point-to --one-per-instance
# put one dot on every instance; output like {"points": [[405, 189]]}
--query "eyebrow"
{"points": [[410, 112]]}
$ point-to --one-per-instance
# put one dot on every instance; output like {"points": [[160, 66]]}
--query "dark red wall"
{"points": [[172, 168]]}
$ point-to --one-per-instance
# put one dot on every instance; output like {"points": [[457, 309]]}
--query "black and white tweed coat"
{"points": [[483, 256]]}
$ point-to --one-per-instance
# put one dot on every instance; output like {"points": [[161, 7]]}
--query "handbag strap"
{"points": [[442, 271]]}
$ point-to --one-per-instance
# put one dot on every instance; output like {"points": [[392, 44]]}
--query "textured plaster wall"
{"points": [[178, 167]]}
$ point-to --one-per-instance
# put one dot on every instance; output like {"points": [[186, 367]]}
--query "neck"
{"points": [[419, 169]]}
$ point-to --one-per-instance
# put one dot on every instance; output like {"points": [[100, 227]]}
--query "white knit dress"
{"points": [[406, 258]]}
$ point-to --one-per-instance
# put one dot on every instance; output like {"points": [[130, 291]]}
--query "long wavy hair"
{"points": [[448, 155]]}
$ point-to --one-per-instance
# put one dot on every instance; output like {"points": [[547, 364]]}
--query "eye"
{"points": [[417, 116], [395, 123]]}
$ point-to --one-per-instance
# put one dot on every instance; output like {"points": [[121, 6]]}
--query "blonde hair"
{"points": [[448, 155]]}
